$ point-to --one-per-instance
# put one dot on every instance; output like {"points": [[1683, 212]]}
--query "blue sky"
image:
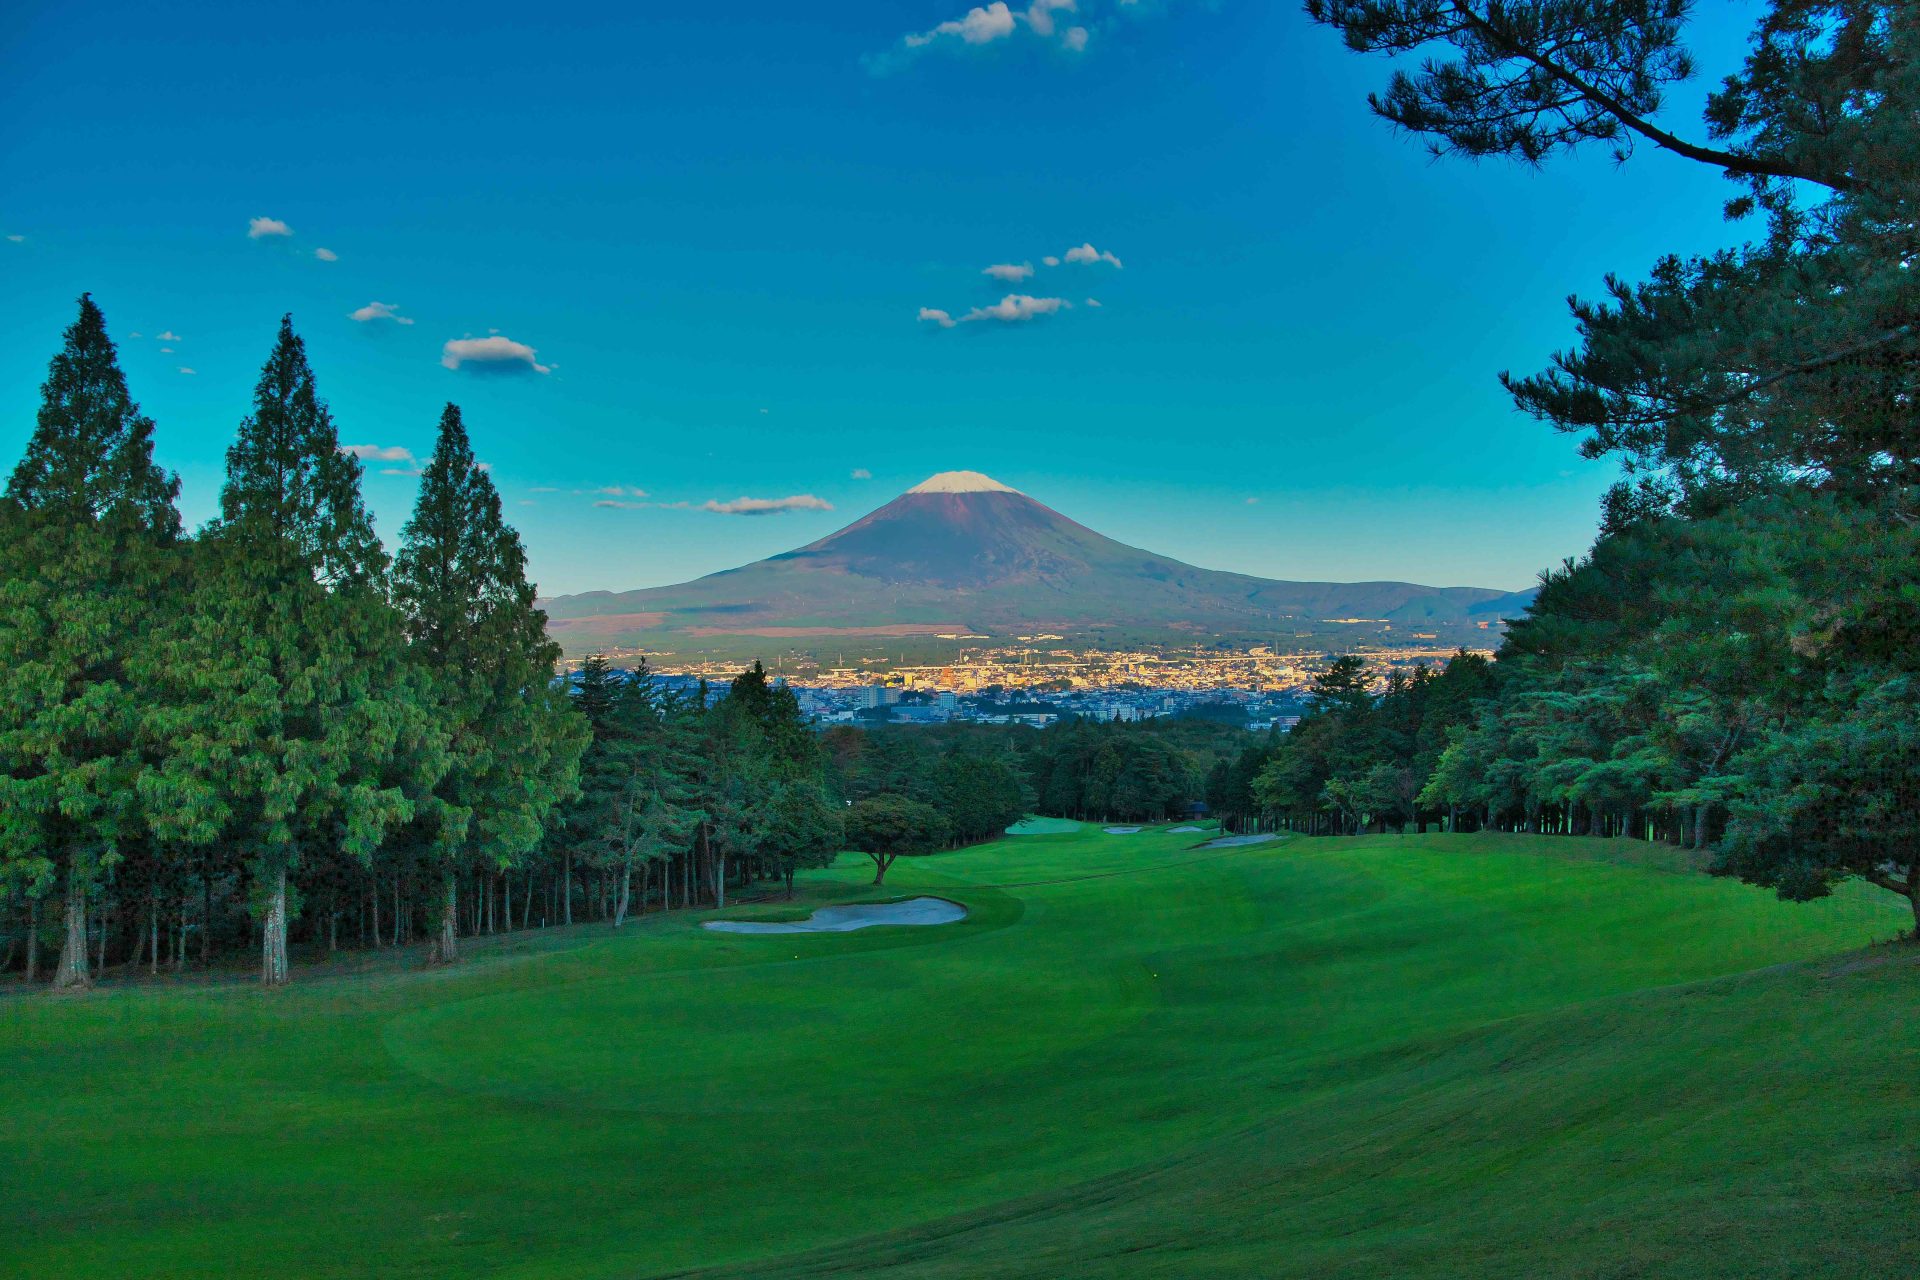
{"points": [[697, 242]]}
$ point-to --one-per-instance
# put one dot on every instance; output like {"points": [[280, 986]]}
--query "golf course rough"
{"points": [[1438, 1056]]}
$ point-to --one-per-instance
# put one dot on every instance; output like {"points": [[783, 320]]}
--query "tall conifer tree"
{"points": [[85, 526], [290, 726], [461, 578]]}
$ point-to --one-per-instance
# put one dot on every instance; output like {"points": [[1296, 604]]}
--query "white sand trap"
{"points": [[1181, 831], [1228, 842], [1123, 831], [846, 919]]}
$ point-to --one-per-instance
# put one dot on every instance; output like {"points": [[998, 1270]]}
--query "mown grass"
{"points": [[1419, 1056]]}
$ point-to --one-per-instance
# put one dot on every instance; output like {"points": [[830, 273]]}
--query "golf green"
{"points": [[1407, 1056]]}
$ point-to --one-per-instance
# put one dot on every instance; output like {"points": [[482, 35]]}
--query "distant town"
{"points": [[1035, 680]]}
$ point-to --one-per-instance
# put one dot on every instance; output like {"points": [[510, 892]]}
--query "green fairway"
{"points": [[1385, 1056]]}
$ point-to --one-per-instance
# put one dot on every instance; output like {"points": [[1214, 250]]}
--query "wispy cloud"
{"points": [[378, 311], [166, 335], [184, 369], [544, 488], [493, 354], [1011, 272], [621, 505], [261, 228], [936, 316], [379, 452], [861, 473], [18, 239], [1086, 253], [1092, 302], [621, 491], [1015, 307], [326, 255], [767, 506]]}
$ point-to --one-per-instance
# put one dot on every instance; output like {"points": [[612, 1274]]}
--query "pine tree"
{"points": [[290, 724], [86, 527], [461, 579]]}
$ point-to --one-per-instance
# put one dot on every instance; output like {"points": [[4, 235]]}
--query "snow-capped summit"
{"points": [[961, 482]]}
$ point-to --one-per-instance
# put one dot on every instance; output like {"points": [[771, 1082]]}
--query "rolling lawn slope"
{"points": [[1410, 1056]]}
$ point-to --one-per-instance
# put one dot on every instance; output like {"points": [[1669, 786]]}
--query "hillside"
{"points": [[962, 554]]}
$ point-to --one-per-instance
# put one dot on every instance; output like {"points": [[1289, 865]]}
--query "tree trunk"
{"points": [[720, 881], [566, 888], [373, 897], [153, 934], [72, 971], [626, 893], [446, 949], [506, 890], [273, 936], [1699, 826]]}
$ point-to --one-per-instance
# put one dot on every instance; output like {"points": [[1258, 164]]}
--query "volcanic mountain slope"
{"points": [[962, 553]]}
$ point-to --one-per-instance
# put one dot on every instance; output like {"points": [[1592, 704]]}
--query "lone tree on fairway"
{"points": [[482, 648], [886, 827], [85, 531]]}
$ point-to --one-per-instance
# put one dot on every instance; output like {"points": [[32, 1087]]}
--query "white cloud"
{"points": [[379, 452], [260, 228], [1016, 307], [543, 488], [767, 506], [984, 24], [937, 316], [861, 473], [491, 354], [379, 311], [166, 351], [326, 255], [400, 471], [1011, 272], [1093, 302], [1050, 261], [621, 491], [18, 239], [166, 335], [1087, 253], [184, 369], [622, 505], [979, 26], [133, 335]]}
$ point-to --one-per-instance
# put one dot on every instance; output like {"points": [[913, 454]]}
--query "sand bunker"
{"points": [[1043, 827], [1180, 831], [1123, 831], [1228, 842], [844, 919]]}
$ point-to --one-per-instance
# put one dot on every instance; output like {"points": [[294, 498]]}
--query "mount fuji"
{"points": [[962, 556]]}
